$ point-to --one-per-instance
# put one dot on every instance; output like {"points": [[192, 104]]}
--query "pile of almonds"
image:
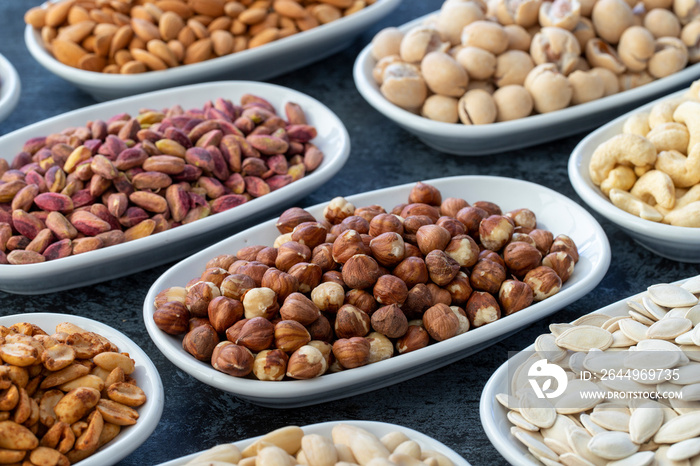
{"points": [[348, 445], [361, 285], [136, 36], [62, 396], [126, 178], [643, 372]]}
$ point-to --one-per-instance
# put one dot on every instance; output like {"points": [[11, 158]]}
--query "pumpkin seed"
{"points": [[668, 329], [538, 411], [645, 422], [683, 427], [518, 420], [684, 450], [612, 420], [585, 338], [656, 311], [671, 296], [612, 445], [633, 330], [642, 458]]}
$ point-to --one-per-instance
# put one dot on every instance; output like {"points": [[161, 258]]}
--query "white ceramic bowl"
{"points": [[257, 64], [460, 139], [127, 258], [554, 212], [146, 375], [493, 414], [377, 428], [678, 243], [9, 87]]}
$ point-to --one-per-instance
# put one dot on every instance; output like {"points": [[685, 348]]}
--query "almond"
{"points": [[264, 37], [199, 51], [290, 9], [77, 32], [176, 6], [212, 8], [57, 13], [170, 25], [36, 17], [103, 43], [151, 61], [121, 39], [144, 30], [92, 62], [222, 42], [161, 50], [252, 16], [133, 67], [67, 52]]}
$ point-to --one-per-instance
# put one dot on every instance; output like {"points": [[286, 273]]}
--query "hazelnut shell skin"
{"points": [[232, 359], [390, 321], [200, 342], [440, 322]]}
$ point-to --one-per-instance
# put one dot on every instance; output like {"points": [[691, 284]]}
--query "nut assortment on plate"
{"points": [[483, 62], [62, 396], [129, 177], [136, 36], [652, 169], [653, 349], [362, 284], [347, 445]]}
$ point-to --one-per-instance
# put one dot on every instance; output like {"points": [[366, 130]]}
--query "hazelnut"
{"points": [[337, 210], [355, 222], [390, 321], [283, 284], [291, 253], [520, 258], [260, 302], [543, 239], [310, 234], [561, 262], [471, 217], [335, 277], [523, 218], [299, 308], [417, 300], [328, 296], [451, 205], [200, 342], [369, 212], [233, 331], [452, 225], [440, 322], [172, 317], [412, 251], [523, 238], [257, 334], [492, 256], [320, 329], [462, 318], [544, 282], [566, 244], [267, 256], [223, 260], [420, 209], [236, 285], [347, 245], [412, 270], [174, 293], [412, 224], [415, 338], [214, 275], [232, 359], [224, 312], [432, 237], [249, 253], [351, 322], [290, 218], [390, 289], [308, 275], [425, 194], [325, 348], [487, 276], [198, 297], [290, 335], [514, 295], [306, 363], [459, 288], [380, 347], [384, 223], [351, 352], [482, 309], [323, 257], [439, 295], [491, 208], [388, 248], [254, 270], [280, 240], [270, 365], [495, 232], [360, 271], [463, 249], [362, 300], [441, 267]]}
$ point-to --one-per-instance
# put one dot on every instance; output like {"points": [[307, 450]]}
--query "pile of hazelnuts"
{"points": [[362, 285]]}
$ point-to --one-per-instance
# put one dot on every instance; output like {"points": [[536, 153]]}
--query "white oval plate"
{"points": [[127, 258], [257, 64], [677, 243], [377, 428], [554, 212], [493, 414], [9, 87], [460, 139], [146, 375]]}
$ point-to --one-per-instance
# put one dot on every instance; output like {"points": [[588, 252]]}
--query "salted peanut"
{"points": [[600, 54], [89, 440], [480, 64], [555, 45], [549, 88], [110, 360], [454, 16], [662, 23], [48, 402], [443, 74], [89, 380], [76, 404], [636, 47], [485, 35], [441, 108], [512, 102], [477, 107], [19, 354], [521, 13], [117, 413], [611, 18], [512, 67], [585, 87], [670, 56], [403, 85], [126, 393], [518, 37], [610, 83], [420, 41], [563, 14]]}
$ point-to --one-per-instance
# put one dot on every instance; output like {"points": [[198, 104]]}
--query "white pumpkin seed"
{"points": [[633, 330], [557, 447], [559, 429], [684, 450], [538, 411], [612, 445], [578, 440], [662, 459], [692, 285], [685, 338], [574, 401], [656, 345], [547, 461], [612, 420], [558, 329], [612, 323], [600, 362], [596, 320], [693, 314], [576, 362], [585, 338], [671, 296], [547, 348], [668, 329], [651, 359], [508, 401], [640, 318], [642, 458], [656, 311], [591, 426], [691, 392], [683, 406], [645, 422], [681, 428], [520, 377], [620, 340], [536, 445], [691, 351], [639, 307], [518, 420], [572, 459], [688, 374], [677, 313], [695, 336]]}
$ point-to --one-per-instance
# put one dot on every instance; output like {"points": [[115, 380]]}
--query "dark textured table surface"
{"points": [[444, 403]]}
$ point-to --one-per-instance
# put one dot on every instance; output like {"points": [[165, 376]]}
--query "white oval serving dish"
{"points": [[127, 258], [257, 64], [475, 140], [377, 428], [493, 414], [678, 243], [10, 87], [554, 212], [146, 375]]}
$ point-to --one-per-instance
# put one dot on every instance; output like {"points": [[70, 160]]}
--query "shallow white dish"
{"points": [[146, 375], [460, 139], [9, 87], [258, 64], [377, 428], [127, 258], [493, 414], [678, 243], [554, 212]]}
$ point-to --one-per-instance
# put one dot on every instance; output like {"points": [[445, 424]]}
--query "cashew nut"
{"points": [[637, 124], [635, 206], [662, 112], [687, 113], [657, 186], [621, 177], [684, 171], [623, 149], [686, 216], [669, 137]]}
